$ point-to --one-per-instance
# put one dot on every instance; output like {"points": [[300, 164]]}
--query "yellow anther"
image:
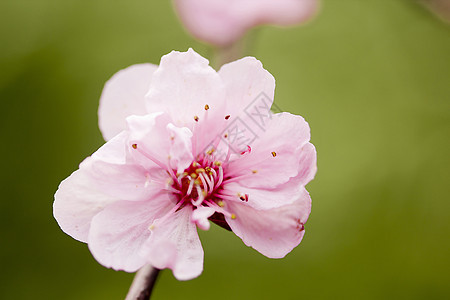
{"points": [[197, 181], [225, 135], [184, 174], [195, 164], [204, 193], [217, 163], [170, 181], [134, 146], [200, 170], [151, 227], [209, 152], [206, 107], [208, 169], [196, 118], [193, 175], [233, 216], [220, 203], [274, 153], [254, 171]]}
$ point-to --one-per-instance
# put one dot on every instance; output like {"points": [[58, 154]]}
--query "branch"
{"points": [[143, 283]]}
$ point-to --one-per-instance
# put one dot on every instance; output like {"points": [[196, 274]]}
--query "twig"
{"points": [[143, 283]]}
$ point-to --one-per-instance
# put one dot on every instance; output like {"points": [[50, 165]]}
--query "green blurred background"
{"points": [[371, 77]]}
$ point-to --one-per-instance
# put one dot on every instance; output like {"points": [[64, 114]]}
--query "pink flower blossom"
{"points": [[221, 22], [185, 145]]}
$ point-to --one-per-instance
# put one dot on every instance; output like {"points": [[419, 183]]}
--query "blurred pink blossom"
{"points": [[441, 8], [222, 22], [185, 145]]}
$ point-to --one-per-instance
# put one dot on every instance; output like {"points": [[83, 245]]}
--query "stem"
{"points": [[143, 283], [237, 50]]}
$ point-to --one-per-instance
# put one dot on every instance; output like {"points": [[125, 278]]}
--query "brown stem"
{"points": [[143, 283]]}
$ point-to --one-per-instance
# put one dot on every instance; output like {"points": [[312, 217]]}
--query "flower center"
{"points": [[199, 183]]}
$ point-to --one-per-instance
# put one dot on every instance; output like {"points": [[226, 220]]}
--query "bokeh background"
{"points": [[371, 77]]}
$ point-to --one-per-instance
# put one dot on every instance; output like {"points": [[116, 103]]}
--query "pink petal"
{"points": [[222, 22], [181, 148], [116, 176], [248, 87], [274, 232], [155, 142], [276, 155], [174, 244], [200, 217], [183, 86], [122, 96], [77, 201], [119, 231], [264, 199]]}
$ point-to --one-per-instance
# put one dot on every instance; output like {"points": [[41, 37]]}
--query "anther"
{"points": [[244, 197], [134, 146], [196, 118], [206, 107], [195, 164], [200, 170], [227, 117], [225, 135], [211, 151], [254, 171], [274, 153], [217, 163], [233, 216], [193, 175], [221, 203]]}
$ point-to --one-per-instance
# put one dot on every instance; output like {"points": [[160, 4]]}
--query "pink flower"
{"points": [[221, 22], [186, 144]]}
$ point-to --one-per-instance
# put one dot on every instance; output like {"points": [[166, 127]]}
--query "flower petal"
{"points": [[263, 199], [192, 93], [181, 148], [274, 232], [250, 90], [119, 231], [77, 201], [222, 22], [154, 141], [116, 176], [275, 156], [122, 96], [200, 217], [174, 244]]}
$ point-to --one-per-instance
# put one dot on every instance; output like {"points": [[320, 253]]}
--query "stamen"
{"points": [[219, 209], [160, 164], [200, 170], [219, 182], [173, 210], [227, 117], [274, 153], [196, 118], [200, 197], [191, 185], [206, 107]]}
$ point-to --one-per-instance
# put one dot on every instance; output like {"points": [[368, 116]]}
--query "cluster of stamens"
{"points": [[201, 184]]}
